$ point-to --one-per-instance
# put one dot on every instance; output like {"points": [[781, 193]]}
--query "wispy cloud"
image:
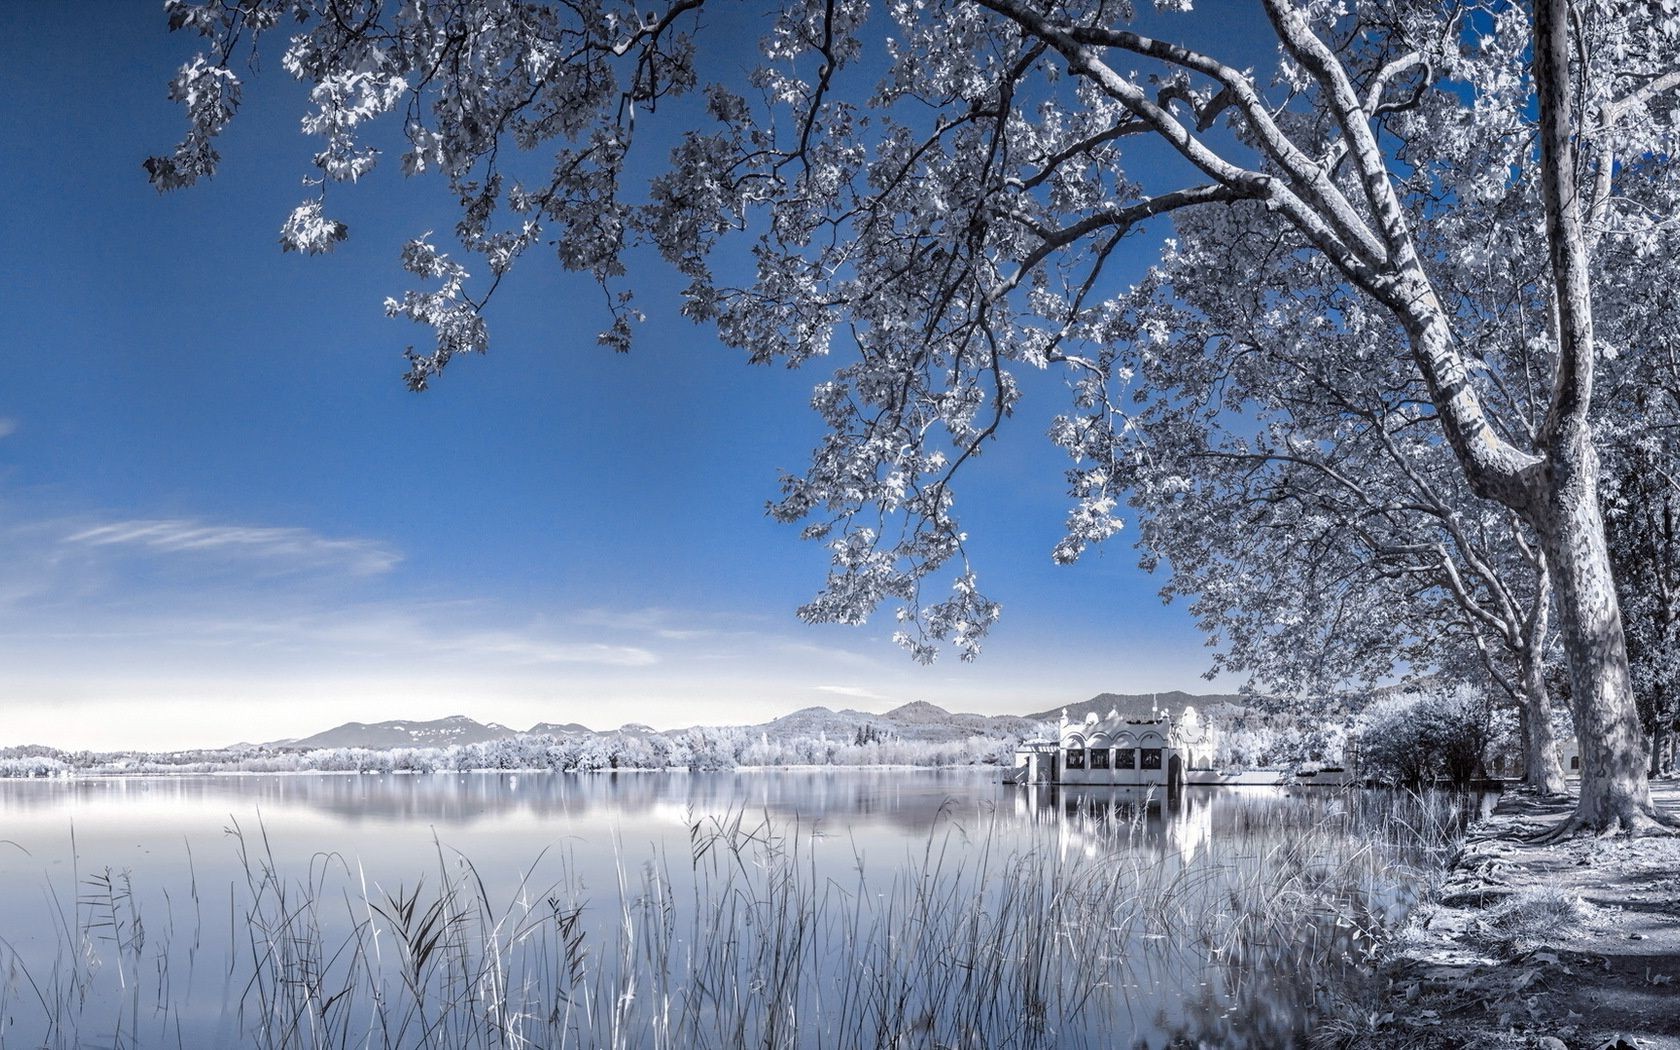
{"points": [[720, 635], [283, 548], [8, 427], [855, 692], [382, 637], [675, 625], [535, 650]]}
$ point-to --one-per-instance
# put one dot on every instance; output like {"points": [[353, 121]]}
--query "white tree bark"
{"points": [[1564, 509], [1542, 765], [1614, 789]]}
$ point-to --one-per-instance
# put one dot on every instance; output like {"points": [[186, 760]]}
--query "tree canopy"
{"points": [[1386, 252]]}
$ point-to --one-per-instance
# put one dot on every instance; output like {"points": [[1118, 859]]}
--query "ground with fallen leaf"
{"points": [[1573, 945]]}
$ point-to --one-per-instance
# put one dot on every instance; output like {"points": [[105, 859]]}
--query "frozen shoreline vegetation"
{"points": [[914, 734], [917, 734], [696, 750]]}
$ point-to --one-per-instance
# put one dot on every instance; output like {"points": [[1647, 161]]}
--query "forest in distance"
{"points": [[1411, 737]]}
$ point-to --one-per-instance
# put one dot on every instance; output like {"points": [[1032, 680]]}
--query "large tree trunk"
{"points": [[1615, 793], [1563, 495], [1542, 768], [1662, 739]]}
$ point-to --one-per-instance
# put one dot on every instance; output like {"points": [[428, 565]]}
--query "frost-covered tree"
{"points": [[1412, 739], [1641, 497], [1642, 509], [1323, 534], [938, 187]]}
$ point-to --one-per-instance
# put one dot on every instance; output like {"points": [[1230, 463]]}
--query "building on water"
{"points": [[1156, 751]]}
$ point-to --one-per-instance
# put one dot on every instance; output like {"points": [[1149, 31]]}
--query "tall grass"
{"points": [[1100, 925]]}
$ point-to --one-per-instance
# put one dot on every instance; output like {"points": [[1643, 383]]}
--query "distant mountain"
{"points": [[921, 712], [558, 729], [441, 732], [915, 719], [918, 720], [818, 721], [1139, 705]]}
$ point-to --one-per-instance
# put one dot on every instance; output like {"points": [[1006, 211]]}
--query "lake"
{"points": [[780, 908]]}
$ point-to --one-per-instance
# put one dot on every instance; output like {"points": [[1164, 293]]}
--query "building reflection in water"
{"points": [[1092, 819]]}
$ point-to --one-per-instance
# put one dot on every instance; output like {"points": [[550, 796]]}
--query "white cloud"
{"points": [[672, 634], [855, 692], [670, 624], [532, 650], [380, 634], [286, 548], [8, 427]]}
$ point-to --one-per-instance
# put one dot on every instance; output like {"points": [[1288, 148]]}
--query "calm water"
{"points": [[126, 905]]}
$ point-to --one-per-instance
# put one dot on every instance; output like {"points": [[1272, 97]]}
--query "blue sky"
{"points": [[223, 517]]}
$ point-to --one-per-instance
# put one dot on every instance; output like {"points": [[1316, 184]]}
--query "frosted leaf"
{"points": [[309, 231]]}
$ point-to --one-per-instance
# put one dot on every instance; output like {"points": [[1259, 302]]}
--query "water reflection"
{"points": [[1092, 819], [906, 798], [1147, 897]]}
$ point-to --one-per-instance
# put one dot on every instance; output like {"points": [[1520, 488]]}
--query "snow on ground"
{"points": [[1572, 945]]}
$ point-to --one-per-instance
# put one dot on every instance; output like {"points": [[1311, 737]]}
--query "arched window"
{"points": [[1151, 758]]}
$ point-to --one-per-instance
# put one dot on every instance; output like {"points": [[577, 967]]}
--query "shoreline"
{"points": [[150, 774], [1264, 778], [1563, 946]]}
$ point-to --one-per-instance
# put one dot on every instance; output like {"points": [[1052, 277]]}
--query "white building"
{"points": [[1123, 752]]}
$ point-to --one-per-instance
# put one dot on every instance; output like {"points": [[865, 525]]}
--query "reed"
{"points": [[1096, 926]]}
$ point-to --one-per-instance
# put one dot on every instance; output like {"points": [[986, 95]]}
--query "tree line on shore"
{"points": [[1413, 738], [696, 749]]}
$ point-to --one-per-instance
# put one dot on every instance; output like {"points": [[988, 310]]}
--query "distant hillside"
{"points": [[1138, 705], [817, 721], [922, 717], [441, 732], [918, 720], [559, 729]]}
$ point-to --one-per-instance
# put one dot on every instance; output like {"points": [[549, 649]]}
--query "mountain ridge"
{"points": [[1140, 705], [402, 732], [917, 720]]}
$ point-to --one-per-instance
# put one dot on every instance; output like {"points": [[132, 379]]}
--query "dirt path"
{"points": [[1575, 945]]}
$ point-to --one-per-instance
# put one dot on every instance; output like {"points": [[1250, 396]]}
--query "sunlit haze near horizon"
{"points": [[224, 518]]}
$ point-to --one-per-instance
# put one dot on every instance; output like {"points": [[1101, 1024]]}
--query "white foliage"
{"points": [[950, 217], [309, 231]]}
